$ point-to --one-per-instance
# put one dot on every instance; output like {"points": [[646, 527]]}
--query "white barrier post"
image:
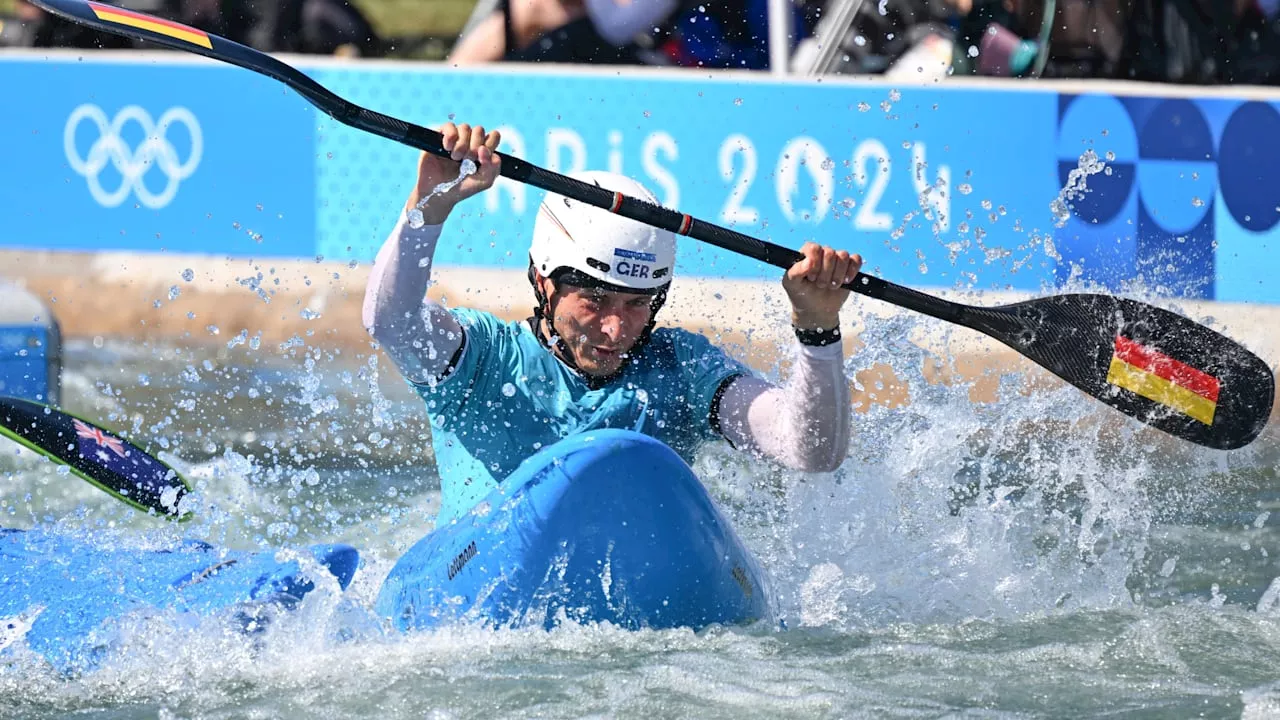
{"points": [[779, 36]]}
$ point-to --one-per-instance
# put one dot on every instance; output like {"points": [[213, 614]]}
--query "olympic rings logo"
{"points": [[132, 164]]}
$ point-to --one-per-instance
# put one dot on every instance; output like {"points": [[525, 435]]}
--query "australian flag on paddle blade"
{"points": [[112, 463], [139, 475], [96, 444]]}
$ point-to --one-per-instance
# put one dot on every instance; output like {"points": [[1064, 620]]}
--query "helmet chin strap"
{"points": [[542, 312], [554, 340]]}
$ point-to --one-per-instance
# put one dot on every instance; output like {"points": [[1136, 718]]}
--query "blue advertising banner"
{"points": [[927, 184], [1002, 187], [146, 156], [1186, 205]]}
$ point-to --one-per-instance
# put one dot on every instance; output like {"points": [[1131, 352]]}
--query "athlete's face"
{"points": [[598, 327]]}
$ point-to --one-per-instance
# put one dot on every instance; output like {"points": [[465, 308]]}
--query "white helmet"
{"points": [[602, 248]]}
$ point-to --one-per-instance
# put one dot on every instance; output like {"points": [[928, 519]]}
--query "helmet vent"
{"points": [[660, 272], [601, 266]]}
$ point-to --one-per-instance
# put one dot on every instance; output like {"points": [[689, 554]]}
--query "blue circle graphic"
{"points": [[1249, 165], [1177, 176], [1176, 130], [1100, 124]]}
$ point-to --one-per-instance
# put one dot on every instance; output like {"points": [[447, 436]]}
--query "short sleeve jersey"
{"points": [[509, 396]]}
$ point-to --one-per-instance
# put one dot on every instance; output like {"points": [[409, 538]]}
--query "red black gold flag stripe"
{"points": [[110, 13], [1160, 378]]}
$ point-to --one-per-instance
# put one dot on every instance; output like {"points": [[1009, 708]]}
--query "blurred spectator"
{"points": [[608, 32], [1083, 39], [45, 30], [302, 26], [730, 34], [1182, 41], [1204, 41], [881, 34], [1086, 37], [515, 25], [322, 27], [693, 33]]}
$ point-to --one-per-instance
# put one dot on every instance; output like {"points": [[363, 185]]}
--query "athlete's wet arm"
{"points": [[419, 335], [803, 424]]}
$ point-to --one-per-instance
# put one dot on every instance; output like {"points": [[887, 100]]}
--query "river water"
{"points": [[1036, 556]]}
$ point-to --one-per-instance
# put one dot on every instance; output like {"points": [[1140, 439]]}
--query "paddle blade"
{"points": [[1152, 364], [115, 465]]}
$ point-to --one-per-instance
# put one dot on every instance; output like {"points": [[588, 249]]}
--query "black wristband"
{"points": [[818, 338]]}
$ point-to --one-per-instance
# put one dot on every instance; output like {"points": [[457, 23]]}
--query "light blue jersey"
{"points": [[508, 396]]}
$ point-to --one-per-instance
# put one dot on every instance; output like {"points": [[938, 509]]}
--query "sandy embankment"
{"points": [[131, 296]]}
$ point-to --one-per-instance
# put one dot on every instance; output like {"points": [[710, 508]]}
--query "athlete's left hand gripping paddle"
{"points": [[109, 462]]}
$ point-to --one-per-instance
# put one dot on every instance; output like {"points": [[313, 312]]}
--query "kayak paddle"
{"points": [[113, 464], [1154, 365]]}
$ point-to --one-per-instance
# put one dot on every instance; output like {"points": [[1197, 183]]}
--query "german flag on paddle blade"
{"points": [[177, 31], [1159, 378]]}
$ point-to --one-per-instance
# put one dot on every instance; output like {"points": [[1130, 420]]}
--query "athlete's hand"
{"points": [[813, 285], [462, 141]]}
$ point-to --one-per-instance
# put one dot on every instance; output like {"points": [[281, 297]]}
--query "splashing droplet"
{"points": [[1075, 188]]}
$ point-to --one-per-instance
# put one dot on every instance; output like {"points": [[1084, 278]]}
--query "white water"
{"points": [[965, 555]]}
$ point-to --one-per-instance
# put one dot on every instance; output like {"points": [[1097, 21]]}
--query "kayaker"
{"points": [[590, 356]]}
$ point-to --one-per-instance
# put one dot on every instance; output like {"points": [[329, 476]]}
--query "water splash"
{"points": [[1076, 186], [414, 215], [947, 509], [950, 522]]}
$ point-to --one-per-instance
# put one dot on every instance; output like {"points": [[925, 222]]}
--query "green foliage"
{"points": [[412, 18]]}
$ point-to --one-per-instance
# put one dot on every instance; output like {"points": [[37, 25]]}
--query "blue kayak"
{"points": [[611, 526], [61, 595]]}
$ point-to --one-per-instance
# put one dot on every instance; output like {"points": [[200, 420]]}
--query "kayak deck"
{"points": [[611, 526]]}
